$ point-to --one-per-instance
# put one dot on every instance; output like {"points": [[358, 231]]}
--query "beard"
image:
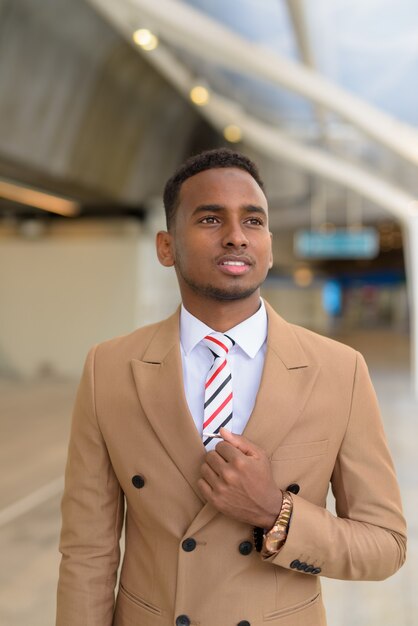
{"points": [[212, 292], [216, 293]]}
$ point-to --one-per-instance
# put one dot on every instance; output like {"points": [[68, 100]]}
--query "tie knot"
{"points": [[218, 343]]}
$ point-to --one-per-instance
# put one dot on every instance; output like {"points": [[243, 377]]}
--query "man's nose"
{"points": [[235, 237]]}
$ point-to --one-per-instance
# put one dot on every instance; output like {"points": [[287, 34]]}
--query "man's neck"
{"points": [[223, 315]]}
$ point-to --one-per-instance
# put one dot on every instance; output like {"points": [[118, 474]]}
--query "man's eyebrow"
{"points": [[217, 208], [252, 208], [205, 208]]}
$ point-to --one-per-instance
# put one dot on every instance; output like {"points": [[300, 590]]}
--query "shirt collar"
{"points": [[249, 334]]}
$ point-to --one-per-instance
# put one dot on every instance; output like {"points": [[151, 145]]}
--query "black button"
{"points": [[138, 481], [309, 569], [243, 623], [294, 564], [302, 567], [245, 547], [293, 488], [182, 620], [188, 544], [316, 570]]}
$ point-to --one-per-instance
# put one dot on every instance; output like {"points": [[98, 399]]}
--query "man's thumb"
{"points": [[239, 442]]}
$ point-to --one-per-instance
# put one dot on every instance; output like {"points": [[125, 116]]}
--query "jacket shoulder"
{"points": [[317, 344], [290, 338], [134, 344]]}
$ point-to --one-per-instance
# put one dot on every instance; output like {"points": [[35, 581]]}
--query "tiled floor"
{"points": [[34, 431], [33, 443]]}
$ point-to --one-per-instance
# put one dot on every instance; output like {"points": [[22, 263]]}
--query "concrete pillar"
{"points": [[158, 294], [411, 262]]}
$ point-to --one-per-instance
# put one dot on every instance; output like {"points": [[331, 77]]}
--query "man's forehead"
{"points": [[220, 173], [216, 182], [219, 208]]}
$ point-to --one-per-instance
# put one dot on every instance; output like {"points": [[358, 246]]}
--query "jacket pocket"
{"points": [[289, 610], [144, 604], [300, 450]]}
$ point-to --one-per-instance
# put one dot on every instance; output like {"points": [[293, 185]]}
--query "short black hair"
{"points": [[209, 159]]}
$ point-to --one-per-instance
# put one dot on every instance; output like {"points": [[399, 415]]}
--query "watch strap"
{"points": [[274, 539]]}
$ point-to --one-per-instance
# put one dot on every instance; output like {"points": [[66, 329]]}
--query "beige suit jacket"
{"points": [[317, 417]]}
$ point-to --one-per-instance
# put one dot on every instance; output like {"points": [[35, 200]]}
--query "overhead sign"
{"points": [[338, 244]]}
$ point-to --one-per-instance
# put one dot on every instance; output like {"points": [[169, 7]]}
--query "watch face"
{"points": [[274, 539]]}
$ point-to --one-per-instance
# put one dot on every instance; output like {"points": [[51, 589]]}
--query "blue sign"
{"points": [[338, 244], [332, 297]]}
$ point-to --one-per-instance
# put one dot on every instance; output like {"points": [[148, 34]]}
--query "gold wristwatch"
{"points": [[276, 536]]}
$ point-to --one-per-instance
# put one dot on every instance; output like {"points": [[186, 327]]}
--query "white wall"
{"points": [[79, 284]]}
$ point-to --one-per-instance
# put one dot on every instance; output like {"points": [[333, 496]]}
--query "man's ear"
{"points": [[164, 245], [271, 251]]}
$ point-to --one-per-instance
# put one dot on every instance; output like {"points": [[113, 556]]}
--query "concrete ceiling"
{"points": [[83, 113]]}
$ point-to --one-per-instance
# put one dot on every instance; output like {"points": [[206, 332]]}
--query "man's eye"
{"points": [[209, 219], [255, 221]]}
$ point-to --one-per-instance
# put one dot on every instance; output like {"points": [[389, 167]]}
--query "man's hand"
{"points": [[238, 481]]}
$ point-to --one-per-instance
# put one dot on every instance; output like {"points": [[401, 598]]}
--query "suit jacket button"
{"points": [[182, 620], [309, 569], [243, 622], [316, 570], [293, 488], [138, 481], [188, 544], [302, 567], [294, 564], [245, 547]]}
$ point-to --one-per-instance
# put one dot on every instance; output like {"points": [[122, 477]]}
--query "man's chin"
{"points": [[223, 294]]}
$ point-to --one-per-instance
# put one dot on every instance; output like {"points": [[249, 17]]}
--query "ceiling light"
{"points": [[39, 199], [145, 39], [232, 133], [199, 95], [303, 276]]}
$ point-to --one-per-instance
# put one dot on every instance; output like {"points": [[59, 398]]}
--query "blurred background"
{"points": [[99, 101]]}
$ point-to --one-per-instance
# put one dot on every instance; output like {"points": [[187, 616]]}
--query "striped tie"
{"points": [[218, 388]]}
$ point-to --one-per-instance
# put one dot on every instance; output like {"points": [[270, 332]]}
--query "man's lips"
{"points": [[234, 265]]}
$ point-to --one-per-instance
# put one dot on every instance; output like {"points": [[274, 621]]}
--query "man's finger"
{"points": [[209, 475], [205, 488], [215, 460], [240, 442]]}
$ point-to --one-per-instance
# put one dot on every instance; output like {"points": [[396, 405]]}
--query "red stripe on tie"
{"points": [[218, 342], [214, 375], [218, 410]]}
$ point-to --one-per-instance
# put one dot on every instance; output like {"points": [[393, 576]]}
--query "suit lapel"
{"points": [[287, 381], [159, 382]]}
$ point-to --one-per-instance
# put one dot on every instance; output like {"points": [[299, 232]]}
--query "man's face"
{"points": [[220, 241]]}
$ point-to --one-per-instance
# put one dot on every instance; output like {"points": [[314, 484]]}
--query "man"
{"points": [[222, 428]]}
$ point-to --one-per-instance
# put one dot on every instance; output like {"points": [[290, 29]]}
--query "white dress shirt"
{"points": [[246, 360]]}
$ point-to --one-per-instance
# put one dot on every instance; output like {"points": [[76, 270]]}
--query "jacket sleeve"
{"points": [[92, 517], [367, 538]]}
